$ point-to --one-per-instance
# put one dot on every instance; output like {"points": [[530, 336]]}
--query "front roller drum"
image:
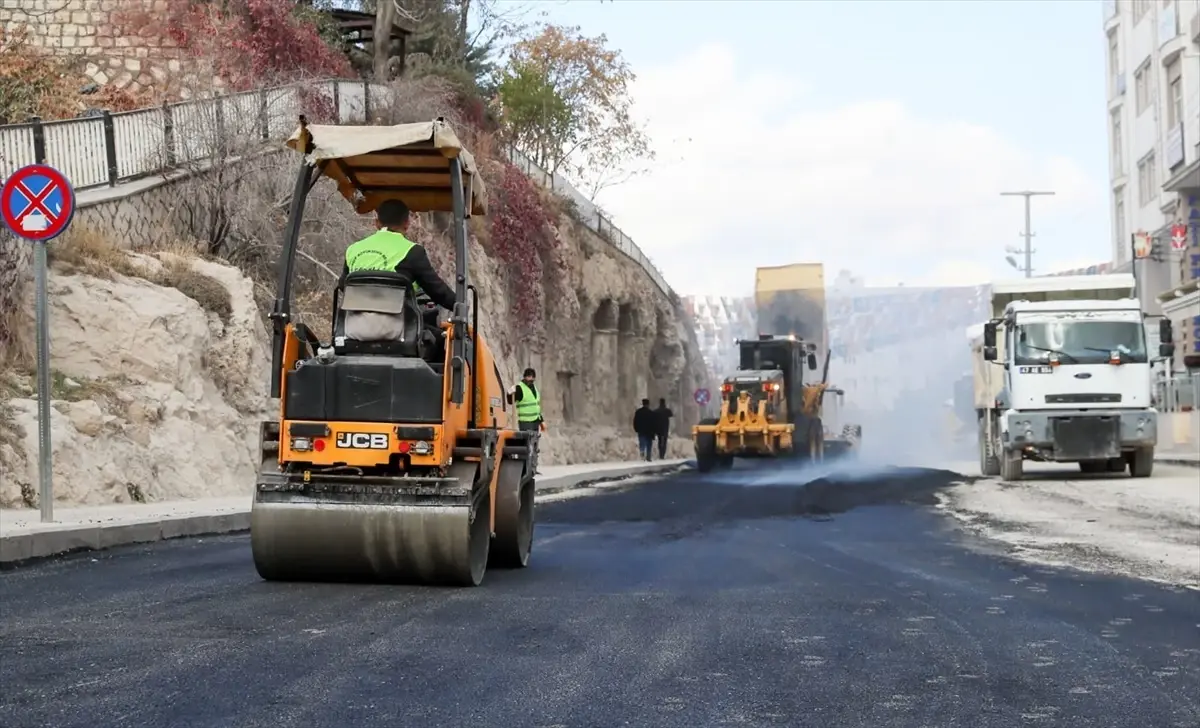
{"points": [[303, 537], [514, 516]]}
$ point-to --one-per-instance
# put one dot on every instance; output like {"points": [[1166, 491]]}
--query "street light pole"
{"points": [[1028, 229]]}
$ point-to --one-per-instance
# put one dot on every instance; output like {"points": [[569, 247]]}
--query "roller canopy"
{"points": [[409, 162]]}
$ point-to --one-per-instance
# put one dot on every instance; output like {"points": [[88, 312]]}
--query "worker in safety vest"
{"points": [[389, 249], [528, 401]]}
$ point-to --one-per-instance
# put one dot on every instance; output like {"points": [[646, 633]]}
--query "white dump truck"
{"points": [[1062, 374]]}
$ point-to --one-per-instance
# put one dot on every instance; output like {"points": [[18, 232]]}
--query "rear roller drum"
{"points": [[514, 518]]}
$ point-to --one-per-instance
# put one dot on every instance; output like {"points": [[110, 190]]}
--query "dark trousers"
{"points": [[662, 444], [645, 445], [528, 426]]}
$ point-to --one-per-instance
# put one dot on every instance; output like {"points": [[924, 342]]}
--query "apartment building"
{"points": [[1153, 70]]}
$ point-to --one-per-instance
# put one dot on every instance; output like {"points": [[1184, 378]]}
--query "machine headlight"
{"points": [[302, 444], [422, 448]]}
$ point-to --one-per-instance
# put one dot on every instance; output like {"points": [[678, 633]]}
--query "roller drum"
{"points": [[297, 537], [514, 517]]}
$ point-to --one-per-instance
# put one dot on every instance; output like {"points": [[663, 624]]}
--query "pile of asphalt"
{"points": [[741, 495]]}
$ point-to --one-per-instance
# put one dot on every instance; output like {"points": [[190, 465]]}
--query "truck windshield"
{"points": [[1081, 342]]}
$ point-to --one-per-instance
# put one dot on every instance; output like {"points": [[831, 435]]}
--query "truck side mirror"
{"points": [[1166, 350], [1164, 332], [989, 337], [989, 353], [812, 361]]}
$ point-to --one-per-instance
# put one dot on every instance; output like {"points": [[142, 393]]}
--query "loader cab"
{"points": [[788, 355]]}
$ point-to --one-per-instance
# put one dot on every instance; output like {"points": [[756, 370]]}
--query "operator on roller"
{"points": [[389, 249]]}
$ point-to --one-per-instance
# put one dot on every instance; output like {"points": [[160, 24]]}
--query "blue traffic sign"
{"points": [[702, 396], [37, 202]]}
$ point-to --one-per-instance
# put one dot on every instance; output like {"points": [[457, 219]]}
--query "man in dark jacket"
{"points": [[645, 424], [664, 415]]}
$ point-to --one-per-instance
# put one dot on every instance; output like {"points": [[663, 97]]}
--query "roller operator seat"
{"points": [[378, 314]]}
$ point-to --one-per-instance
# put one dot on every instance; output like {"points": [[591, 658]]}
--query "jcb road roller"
{"points": [[393, 460]]}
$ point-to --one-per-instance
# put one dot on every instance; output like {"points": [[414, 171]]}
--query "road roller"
{"points": [[394, 459]]}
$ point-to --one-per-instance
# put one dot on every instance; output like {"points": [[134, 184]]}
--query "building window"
{"points": [[1119, 221], [1114, 61], [1143, 93], [1147, 180], [1174, 94], [1118, 145]]}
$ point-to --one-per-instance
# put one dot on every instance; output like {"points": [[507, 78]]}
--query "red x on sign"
{"points": [[37, 202]]}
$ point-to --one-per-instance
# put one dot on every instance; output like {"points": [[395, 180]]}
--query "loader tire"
{"points": [[706, 449]]}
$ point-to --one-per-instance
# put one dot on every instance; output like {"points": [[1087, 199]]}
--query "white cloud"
{"points": [[755, 172]]}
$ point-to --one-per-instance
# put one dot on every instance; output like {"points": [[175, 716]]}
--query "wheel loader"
{"points": [[394, 460], [763, 407]]}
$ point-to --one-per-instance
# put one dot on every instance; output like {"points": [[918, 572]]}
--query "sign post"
{"points": [[37, 203]]}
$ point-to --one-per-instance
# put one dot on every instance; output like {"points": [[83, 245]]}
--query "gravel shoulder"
{"points": [[1144, 528]]}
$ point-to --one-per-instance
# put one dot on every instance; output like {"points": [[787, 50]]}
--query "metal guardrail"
{"points": [[107, 149], [1180, 393]]}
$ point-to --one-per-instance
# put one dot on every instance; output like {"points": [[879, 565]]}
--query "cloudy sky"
{"points": [[871, 136]]}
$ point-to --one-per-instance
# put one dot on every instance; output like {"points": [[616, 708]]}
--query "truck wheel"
{"points": [[989, 464], [1141, 462], [1012, 466]]}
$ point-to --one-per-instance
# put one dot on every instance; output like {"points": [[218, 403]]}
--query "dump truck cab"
{"points": [[762, 406]]}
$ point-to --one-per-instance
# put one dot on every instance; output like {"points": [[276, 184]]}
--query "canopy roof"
{"points": [[409, 162]]}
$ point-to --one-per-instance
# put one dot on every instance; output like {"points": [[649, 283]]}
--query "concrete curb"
{"points": [[1168, 460], [14, 550]]}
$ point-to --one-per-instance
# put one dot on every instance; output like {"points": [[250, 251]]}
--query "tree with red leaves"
{"points": [[522, 235]]}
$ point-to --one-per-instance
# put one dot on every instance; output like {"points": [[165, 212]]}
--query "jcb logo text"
{"points": [[363, 440]]}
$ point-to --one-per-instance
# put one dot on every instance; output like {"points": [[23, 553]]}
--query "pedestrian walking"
{"points": [[663, 414], [645, 424]]}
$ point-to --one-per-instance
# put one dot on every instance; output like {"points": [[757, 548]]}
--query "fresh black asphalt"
{"points": [[685, 601]]}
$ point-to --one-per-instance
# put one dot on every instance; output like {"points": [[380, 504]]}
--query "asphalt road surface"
{"points": [[686, 601]]}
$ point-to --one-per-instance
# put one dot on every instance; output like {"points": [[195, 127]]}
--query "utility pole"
{"points": [[1027, 194]]}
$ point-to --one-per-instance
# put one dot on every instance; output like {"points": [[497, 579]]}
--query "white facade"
{"points": [[1153, 72]]}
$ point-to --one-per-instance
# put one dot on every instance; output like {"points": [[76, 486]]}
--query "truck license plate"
{"points": [[1041, 369]]}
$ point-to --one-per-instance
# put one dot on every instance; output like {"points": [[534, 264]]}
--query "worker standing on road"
{"points": [[388, 249], [645, 424], [664, 415], [528, 401]]}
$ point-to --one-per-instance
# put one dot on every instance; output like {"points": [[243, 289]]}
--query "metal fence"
{"points": [[105, 149], [1180, 393]]}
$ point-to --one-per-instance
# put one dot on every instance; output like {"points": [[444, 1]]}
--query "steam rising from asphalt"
{"points": [[898, 353]]}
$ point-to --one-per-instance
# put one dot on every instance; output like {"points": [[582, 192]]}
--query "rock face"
{"points": [[154, 398]]}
